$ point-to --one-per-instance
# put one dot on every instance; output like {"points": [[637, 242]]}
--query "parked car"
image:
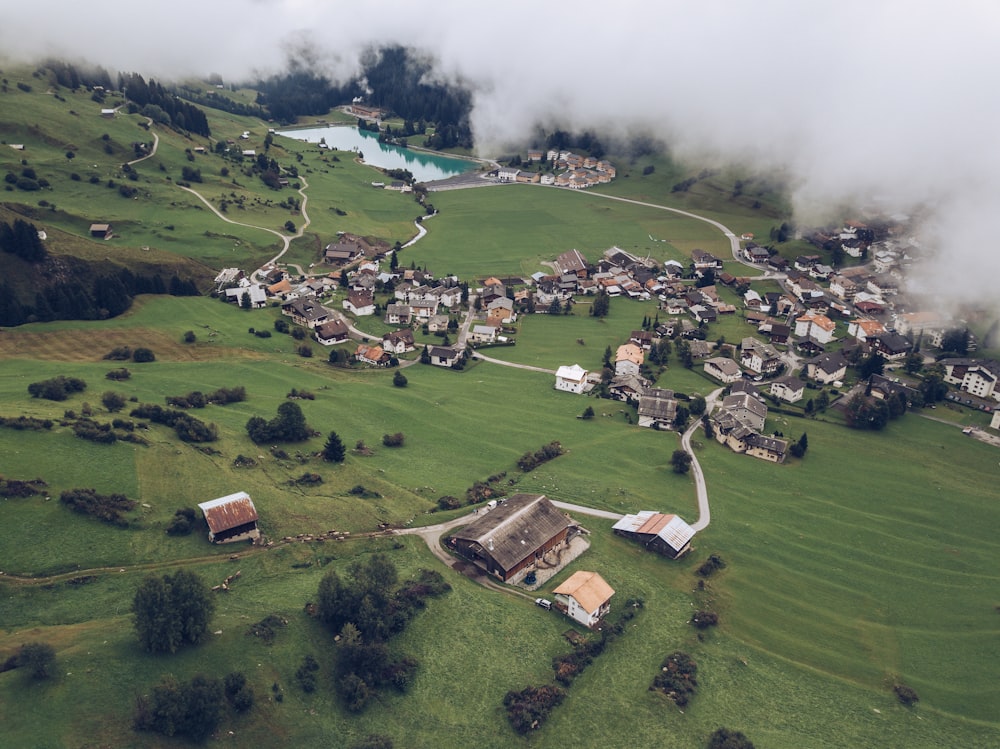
{"points": [[545, 603]]}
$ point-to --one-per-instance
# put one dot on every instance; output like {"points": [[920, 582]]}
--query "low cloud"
{"points": [[857, 102]]}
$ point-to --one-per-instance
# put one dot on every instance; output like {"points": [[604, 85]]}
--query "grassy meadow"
{"points": [[870, 562]]}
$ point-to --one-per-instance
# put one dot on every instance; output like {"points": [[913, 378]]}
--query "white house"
{"points": [[571, 379], [818, 327], [360, 303], [723, 369], [628, 359], [585, 597], [790, 389], [484, 334], [256, 292]]}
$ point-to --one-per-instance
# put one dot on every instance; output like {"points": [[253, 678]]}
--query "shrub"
{"points": [[449, 503], [305, 675], [118, 374], [190, 337], [304, 351], [105, 507], [288, 426], [393, 440], [298, 334], [711, 565], [38, 659], [281, 326], [528, 709], [238, 692], [705, 619], [262, 333], [724, 738], [399, 379], [17, 488], [119, 353], [57, 388], [192, 710], [88, 429], [142, 355], [265, 628], [530, 461], [677, 678], [182, 523], [113, 401], [906, 695]]}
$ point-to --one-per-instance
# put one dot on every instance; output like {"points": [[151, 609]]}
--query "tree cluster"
{"points": [[288, 426], [680, 461], [38, 659], [108, 508], [163, 106], [528, 709], [197, 399], [725, 738], [56, 388], [187, 427], [531, 460], [191, 709], [19, 488], [171, 611], [366, 609], [21, 239], [865, 412], [183, 522]]}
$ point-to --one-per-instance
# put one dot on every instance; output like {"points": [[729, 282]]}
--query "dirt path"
{"points": [[156, 144]]}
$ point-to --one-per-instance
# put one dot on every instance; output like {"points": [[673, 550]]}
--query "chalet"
{"points": [[627, 388], [360, 303], [571, 379], [483, 334], [746, 409], [657, 408], [444, 356], [759, 357], [437, 323], [843, 287], [820, 272], [585, 597], [628, 359], [703, 314], [776, 332], [826, 368], [366, 111], [978, 377], [374, 355], [108, 113], [398, 314], [331, 332], [308, 312], [756, 254], [398, 341], [865, 329], [673, 269], [506, 305], [514, 537], [740, 438], [790, 389], [231, 518], [804, 262], [642, 338], [702, 260], [891, 346], [100, 231], [342, 253], [812, 325], [723, 369], [281, 289], [665, 534], [778, 263]]}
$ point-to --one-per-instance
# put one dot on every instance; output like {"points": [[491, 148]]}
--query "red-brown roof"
{"points": [[229, 512]]}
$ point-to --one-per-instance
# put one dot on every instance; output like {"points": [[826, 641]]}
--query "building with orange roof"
{"points": [[665, 534], [628, 359], [818, 327], [585, 597]]}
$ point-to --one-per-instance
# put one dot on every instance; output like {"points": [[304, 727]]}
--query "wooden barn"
{"points": [[514, 535], [664, 534], [231, 518]]}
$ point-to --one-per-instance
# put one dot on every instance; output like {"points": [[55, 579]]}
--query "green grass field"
{"points": [[871, 561]]}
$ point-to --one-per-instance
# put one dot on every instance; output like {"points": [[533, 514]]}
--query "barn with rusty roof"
{"points": [[666, 534], [231, 518], [514, 536]]}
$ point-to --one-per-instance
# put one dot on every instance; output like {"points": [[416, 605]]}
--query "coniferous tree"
{"points": [[333, 450]]}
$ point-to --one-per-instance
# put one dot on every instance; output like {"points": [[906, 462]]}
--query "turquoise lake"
{"points": [[424, 166]]}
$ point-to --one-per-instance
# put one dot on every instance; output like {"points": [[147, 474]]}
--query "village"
{"points": [[812, 336]]}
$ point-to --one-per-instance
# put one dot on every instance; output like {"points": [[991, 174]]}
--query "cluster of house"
{"points": [[526, 533], [578, 172]]}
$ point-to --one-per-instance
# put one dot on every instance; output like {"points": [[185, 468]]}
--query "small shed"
{"points": [[231, 518], [100, 231], [585, 597]]}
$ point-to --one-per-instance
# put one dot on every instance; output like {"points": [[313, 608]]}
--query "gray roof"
{"points": [[658, 404], [515, 528]]}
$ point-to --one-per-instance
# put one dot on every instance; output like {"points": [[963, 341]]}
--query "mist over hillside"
{"points": [[858, 104]]}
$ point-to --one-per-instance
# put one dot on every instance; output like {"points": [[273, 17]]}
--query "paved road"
{"points": [[704, 515], [588, 511]]}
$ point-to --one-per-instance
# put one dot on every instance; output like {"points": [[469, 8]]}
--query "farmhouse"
{"points": [[256, 293], [308, 312], [628, 359], [512, 538], [665, 534], [231, 518], [571, 379], [585, 597], [360, 303], [657, 408], [572, 262], [374, 355], [398, 341], [329, 333]]}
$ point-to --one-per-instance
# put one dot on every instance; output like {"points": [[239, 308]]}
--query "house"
{"points": [[571, 379], [398, 341], [398, 314], [759, 357], [657, 408], [307, 311], [374, 355], [812, 325], [642, 338], [100, 231], [107, 113], [995, 421], [826, 368], [746, 409], [444, 356], [437, 323], [627, 388], [723, 369], [767, 448], [573, 262], [515, 536], [864, 329], [507, 174], [360, 303], [507, 307], [256, 292], [585, 597], [975, 376], [628, 359], [740, 438], [756, 254], [665, 534], [790, 389], [843, 287], [776, 332], [231, 518], [228, 277], [891, 346], [330, 333], [483, 334], [702, 260]]}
